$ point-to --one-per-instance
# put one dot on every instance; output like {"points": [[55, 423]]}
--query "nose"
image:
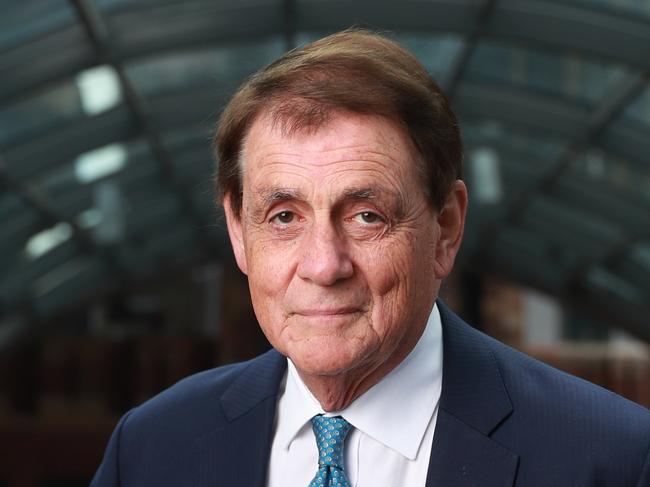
{"points": [[324, 259]]}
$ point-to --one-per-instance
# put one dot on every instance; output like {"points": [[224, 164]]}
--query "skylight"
{"points": [[485, 173], [44, 241], [99, 89], [99, 163], [90, 218]]}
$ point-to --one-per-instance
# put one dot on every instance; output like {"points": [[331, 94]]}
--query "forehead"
{"points": [[350, 144]]}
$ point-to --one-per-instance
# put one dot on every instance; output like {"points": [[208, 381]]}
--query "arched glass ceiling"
{"points": [[106, 110]]}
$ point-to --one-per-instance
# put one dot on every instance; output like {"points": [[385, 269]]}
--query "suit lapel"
{"points": [[474, 402], [238, 452], [463, 457]]}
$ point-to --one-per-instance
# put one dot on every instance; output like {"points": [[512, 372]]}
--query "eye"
{"points": [[283, 218], [368, 217]]}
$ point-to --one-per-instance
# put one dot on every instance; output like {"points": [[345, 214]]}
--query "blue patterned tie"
{"points": [[330, 435]]}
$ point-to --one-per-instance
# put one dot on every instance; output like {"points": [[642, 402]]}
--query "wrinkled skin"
{"points": [[344, 252]]}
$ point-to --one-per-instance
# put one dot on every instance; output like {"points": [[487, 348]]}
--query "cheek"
{"points": [[267, 289], [270, 263], [400, 274], [270, 271], [386, 273], [391, 266], [266, 297]]}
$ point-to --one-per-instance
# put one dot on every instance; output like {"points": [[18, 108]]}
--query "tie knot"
{"points": [[330, 435]]}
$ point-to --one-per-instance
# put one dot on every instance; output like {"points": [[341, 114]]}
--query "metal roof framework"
{"points": [[553, 96]]}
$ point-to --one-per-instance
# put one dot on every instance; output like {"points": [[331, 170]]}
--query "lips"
{"points": [[327, 311]]}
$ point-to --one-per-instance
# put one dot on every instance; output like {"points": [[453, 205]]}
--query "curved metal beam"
{"points": [[467, 49]]}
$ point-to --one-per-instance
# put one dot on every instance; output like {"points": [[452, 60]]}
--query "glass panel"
{"points": [[220, 69], [192, 157], [48, 239], [567, 76], [172, 6], [17, 227], [522, 159], [46, 59], [612, 173], [537, 245], [10, 204], [146, 212], [70, 187], [532, 154], [19, 223], [21, 22], [436, 53], [634, 265], [27, 118], [194, 168], [639, 111], [602, 201], [75, 280], [602, 279], [127, 202], [22, 271], [168, 243], [160, 244], [630, 7], [540, 146], [198, 23], [640, 254], [92, 92], [211, 212], [527, 258], [581, 231], [100, 89]]}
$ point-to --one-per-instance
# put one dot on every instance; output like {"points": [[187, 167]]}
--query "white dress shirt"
{"points": [[393, 423]]}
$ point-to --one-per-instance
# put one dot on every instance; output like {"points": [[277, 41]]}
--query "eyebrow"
{"points": [[360, 193], [275, 194], [272, 195]]}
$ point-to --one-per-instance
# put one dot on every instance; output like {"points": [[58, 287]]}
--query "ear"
{"points": [[235, 232], [451, 224]]}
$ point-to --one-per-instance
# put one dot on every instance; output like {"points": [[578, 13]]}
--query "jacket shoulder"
{"points": [[190, 408], [532, 381], [564, 430], [569, 417], [157, 443]]}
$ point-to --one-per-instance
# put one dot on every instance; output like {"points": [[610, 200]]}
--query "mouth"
{"points": [[316, 312]]}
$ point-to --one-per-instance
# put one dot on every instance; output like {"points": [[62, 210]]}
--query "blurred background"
{"points": [[116, 277]]}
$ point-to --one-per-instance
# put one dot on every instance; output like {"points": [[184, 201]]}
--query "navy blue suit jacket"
{"points": [[504, 420]]}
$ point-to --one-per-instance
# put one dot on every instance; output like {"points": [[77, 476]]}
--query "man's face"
{"points": [[343, 251]]}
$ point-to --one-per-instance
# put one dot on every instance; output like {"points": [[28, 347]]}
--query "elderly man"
{"points": [[339, 172]]}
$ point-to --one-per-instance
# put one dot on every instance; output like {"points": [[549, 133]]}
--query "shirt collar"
{"points": [[381, 412]]}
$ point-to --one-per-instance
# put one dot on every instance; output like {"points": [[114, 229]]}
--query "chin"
{"points": [[316, 365], [325, 361]]}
